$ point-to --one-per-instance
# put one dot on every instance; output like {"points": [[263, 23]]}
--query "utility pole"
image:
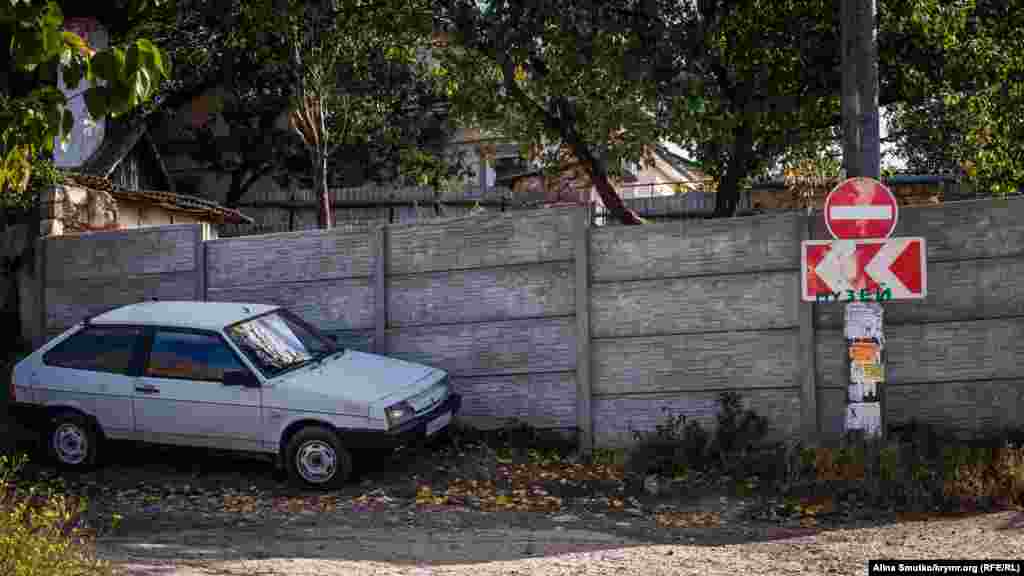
{"points": [[863, 325], [861, 144]]}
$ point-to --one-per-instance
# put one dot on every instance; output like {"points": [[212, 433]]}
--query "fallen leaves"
{"points": [[239, 504], [520, 487], [691, 519], [297, 505], [816, 506], [485, 494], [425, 495]]}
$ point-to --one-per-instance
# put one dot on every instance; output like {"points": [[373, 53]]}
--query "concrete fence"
{"points": [[543, 318]]}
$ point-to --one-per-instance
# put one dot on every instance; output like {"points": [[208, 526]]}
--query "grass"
{"points": [[41, 532]]}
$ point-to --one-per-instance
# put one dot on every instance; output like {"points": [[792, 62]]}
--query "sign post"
{"points": [[863, 267]]}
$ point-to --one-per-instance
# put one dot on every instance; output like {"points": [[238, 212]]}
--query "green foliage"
{"points": [[43, 175], [40, 532], [120, 79], [556, 77], [969, 121], [348, 75]]}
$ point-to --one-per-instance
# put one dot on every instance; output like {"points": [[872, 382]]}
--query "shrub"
{"points": [[918, 468], [678, 446], [921, 469], [40, 532]]}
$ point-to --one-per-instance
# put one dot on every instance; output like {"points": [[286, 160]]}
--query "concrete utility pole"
{"points": [[861, 136], [861, 158]]}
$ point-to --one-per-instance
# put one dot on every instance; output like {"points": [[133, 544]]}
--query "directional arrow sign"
{"points": [[831, 267]]}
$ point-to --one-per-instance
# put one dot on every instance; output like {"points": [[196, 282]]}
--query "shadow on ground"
{"points": [[404, 533]]}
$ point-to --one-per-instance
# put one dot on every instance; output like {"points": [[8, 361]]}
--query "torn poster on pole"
{"points": [[864, 416], [865, 343], [864, 321]]}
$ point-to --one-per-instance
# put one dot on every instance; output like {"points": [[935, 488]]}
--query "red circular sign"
{"points": [[860, 208]]}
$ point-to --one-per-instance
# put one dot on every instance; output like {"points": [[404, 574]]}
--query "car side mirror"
{"points": [[242, 378]]}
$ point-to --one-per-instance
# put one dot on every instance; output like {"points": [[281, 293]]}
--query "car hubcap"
{"points": [[70, 444], [316, 462]]}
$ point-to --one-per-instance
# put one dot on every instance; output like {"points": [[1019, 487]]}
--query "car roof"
{"points": [[183, 314]]}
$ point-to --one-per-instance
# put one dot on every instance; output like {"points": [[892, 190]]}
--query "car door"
{"points": [[94, 370], [181, 398]]}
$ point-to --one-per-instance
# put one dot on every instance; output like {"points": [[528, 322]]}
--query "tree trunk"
{"points": [[240, 185], [235, 191], [324, 216], [727, 196], [610, 196], [598, 173]]}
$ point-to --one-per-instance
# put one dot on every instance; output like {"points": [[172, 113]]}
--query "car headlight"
{"points": [[398, 413]]}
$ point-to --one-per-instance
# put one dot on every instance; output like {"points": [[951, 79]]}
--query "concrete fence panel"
{"points": [[90, 273], [692, 248]]}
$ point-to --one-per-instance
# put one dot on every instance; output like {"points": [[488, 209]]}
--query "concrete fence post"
{"points": [[39, 338], [202, 233], [584, 395], [380, 294], [806, 355]]}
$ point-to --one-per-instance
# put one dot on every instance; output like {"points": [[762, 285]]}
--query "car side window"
{"points": [[190, 356], [110, 349]]}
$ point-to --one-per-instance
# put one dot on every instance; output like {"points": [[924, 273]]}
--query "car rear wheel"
{"points": [[315, 458], [72, 441]]}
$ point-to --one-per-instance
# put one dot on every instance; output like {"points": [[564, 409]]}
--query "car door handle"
{"points": [[147, 389]]}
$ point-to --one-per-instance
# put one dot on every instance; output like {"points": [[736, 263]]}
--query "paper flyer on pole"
{"points": [[866, 416], [864, 321]]}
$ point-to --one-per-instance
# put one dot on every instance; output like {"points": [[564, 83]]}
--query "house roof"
{"points": [[682, 165], [184, 203], [194, 205], [119, 138], [183, 314]]}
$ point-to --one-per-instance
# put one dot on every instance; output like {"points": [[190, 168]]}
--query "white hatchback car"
{"points": [[242, 377]]}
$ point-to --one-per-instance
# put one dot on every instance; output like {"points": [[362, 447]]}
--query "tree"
{"points": [[33, 111], [769, 72], [379, 111], [558, 77], [974, 128], [353, 79]]}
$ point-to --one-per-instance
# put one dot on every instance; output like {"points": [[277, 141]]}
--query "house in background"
{"points": [[87, 203], [113, 175], [498, 163]]}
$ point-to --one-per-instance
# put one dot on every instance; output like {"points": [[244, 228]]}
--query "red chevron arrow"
{"points": [[830, 267]]}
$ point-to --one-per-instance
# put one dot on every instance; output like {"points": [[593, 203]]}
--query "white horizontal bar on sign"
{"points": [[876, 212]]}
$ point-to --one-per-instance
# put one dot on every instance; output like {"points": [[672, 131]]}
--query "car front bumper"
{"points": [[414, 430]]}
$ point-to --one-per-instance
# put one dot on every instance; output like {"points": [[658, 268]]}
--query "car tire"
{"points": [[315, 458], [71, 441]]}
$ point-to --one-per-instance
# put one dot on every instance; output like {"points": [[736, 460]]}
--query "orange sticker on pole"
{"points": [[864, 352]]}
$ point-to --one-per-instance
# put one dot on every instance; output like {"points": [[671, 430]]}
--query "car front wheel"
{"points": [[72, 441], [315, 458]]}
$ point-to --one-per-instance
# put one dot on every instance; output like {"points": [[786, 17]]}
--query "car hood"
{"points": [[361, 378]]}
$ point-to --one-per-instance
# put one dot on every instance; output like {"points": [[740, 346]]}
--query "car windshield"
{"points": [[279, 342]]}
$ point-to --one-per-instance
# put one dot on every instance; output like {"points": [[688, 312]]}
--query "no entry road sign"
{"points": [[894, 267], [860, 208]]}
